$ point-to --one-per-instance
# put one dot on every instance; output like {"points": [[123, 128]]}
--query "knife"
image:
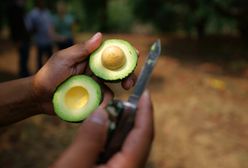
{"points": [[122, 113]]}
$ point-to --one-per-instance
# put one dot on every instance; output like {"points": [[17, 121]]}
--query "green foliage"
{"points": [[120, 17], [3, 6], [96, 14], [77, 10], [190, 16]]}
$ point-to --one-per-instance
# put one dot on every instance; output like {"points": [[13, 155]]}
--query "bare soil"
{"points": [[200, 95]]}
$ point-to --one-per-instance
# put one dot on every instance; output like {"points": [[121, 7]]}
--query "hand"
{"points": [[63, 64], [91, 137]]}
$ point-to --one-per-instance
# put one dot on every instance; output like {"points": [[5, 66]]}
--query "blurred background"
{"points": [[199, 86]]}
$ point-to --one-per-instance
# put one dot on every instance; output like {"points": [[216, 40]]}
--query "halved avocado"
{"points": [[76, 98], [114, 60]]}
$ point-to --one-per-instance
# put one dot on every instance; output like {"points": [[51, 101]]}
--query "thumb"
{"points": [[88, 143], [80, 51]]}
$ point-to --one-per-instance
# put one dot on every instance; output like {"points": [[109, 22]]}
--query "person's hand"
{"points": [[65, 63], [91, 137]]}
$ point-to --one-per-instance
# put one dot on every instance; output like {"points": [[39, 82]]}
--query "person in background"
{"points": [[63, 24], [19, 33], [34, 97], [40, 23]]}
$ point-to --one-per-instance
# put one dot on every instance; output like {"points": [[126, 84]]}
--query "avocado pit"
{"points": [[113, 57]]}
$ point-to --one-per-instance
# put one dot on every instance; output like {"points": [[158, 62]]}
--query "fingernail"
{"points": [[146, 93], [99, 117], [130, 83], [137, 51], [95, 36]]}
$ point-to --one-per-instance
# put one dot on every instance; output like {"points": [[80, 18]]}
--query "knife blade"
{"points": [[146, 72]]}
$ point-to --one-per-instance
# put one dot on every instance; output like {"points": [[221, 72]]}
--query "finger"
{"points": [[80, 51], [88, 143], [80, 68], [129, 82], [108, 95], [143, 126], [88, 70], [136, 147]]}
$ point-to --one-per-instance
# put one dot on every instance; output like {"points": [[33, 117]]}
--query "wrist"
{"points": [[38, 96]]}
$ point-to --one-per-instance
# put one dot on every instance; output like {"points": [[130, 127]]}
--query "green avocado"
{"points": [[76, 98], [114, 60]]}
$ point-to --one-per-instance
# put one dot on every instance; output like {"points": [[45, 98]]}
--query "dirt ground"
{"points": [[200, 95]]}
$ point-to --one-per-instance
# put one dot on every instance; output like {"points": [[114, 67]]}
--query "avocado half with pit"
{"points": [[114, 60], [76, 98]]}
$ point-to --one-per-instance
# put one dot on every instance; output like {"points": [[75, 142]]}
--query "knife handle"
{"points": [[121, 116]]}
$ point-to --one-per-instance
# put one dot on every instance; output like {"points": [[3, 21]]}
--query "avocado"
{"points": [[76, 98], [114, 60]]}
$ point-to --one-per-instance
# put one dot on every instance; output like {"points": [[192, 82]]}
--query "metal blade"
{"points": [[146, 72]]}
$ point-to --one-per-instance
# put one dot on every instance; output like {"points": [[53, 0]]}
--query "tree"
{"points": [[237, 9], [192, 15], [96, 14]]}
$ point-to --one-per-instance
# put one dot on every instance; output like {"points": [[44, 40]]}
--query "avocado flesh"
{"points": [[113, 74], [76, 98]]}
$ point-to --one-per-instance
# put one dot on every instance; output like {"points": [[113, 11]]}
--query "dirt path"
{"points": [[200, 112]]}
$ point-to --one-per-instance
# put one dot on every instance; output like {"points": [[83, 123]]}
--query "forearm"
{"points": [[17, 101]]}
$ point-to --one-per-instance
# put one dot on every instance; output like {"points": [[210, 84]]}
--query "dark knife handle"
{"points": [[121, 115]]}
